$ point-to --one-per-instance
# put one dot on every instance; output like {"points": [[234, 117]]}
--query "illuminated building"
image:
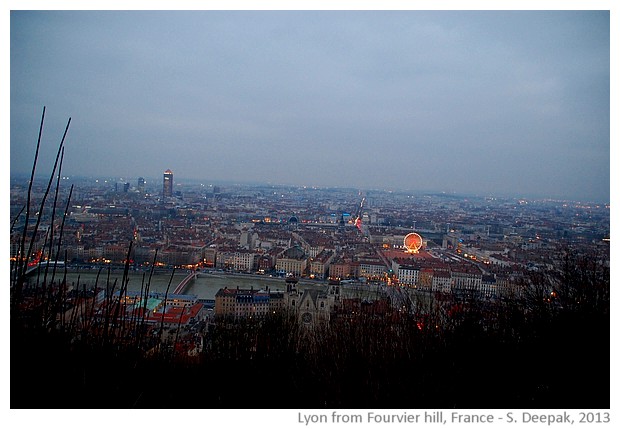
{"points": [[168, 183]]}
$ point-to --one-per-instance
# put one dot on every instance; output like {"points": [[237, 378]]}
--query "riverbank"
{"points": [[205, 285]]}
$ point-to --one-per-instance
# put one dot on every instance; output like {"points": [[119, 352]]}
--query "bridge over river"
{"points": [[180, 289]]}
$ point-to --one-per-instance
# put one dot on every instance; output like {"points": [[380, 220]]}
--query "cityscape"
{"points": [[195, 274], [349, 217]]}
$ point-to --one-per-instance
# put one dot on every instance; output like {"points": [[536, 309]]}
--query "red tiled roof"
{"points": [[176, 314]]}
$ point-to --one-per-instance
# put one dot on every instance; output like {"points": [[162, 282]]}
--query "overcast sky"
{"points": [[475, 102]]}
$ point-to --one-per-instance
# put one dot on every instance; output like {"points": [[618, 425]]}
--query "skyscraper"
{"points": [[167, 183], [141, 184]]}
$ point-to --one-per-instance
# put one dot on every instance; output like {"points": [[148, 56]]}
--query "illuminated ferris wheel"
{"points": [[413, 242]]}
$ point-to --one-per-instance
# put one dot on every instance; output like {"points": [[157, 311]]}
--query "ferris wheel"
{"points": [[413, 242]]}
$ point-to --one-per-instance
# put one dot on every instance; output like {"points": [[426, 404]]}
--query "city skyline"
{"points": [[423, 114], [470, 254], [451, 101]]}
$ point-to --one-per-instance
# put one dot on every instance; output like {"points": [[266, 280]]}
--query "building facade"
{"points": [[242, 303]]}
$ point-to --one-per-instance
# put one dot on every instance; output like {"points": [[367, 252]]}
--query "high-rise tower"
{"points": [[141, 184], [167, 183]]}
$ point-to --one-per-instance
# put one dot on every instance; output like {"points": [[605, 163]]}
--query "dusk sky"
{"points": [[506, 103]]}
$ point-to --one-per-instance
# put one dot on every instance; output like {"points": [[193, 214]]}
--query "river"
{"points": [[204, 286]]}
